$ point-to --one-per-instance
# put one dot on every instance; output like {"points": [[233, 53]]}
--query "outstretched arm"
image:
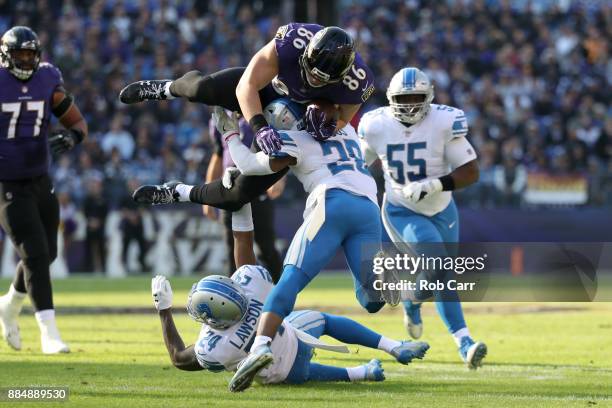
{"points": [[182, 357], [242, 228], [249, 163]]}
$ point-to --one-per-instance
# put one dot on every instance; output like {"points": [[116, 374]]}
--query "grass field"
{"points": [[553, 355]]}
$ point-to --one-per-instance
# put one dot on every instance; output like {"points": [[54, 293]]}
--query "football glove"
{"points": [[229, 175], [318, 125], [62, 140], [417, 190], [226, 124], [268, 140], [162, 292]]}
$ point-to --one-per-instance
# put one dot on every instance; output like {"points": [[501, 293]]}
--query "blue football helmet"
{"points": [[217, 301], [410, 81], [284, 114]]}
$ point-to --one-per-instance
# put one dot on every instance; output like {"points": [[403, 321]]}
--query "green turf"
{"points": [[540, 355]]}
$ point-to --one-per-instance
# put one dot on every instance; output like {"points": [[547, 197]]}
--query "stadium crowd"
{"points": [[532, 79]]}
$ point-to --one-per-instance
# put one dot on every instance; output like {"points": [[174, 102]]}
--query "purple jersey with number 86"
{"points": [[291, 41]]}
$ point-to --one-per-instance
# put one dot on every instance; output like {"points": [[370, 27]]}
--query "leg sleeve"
{"points": [[320, 372], [244, 190], [349, 331], [218, 88], [265, 236]]}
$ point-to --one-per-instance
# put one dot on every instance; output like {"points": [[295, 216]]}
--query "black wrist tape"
{"points": [[257, 122], [78, 134], [448, 183]]}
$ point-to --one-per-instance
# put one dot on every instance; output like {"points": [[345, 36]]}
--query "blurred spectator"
{"points": [[118, 138], [132, 228], [67, 219], [530, 75], [510, 179], [95, 209]]}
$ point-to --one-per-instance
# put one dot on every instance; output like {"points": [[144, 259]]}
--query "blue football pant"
{"points": [[404, 225]]}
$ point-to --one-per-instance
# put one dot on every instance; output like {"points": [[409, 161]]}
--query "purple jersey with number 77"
{"points": [[291, 41], [25, 114]]}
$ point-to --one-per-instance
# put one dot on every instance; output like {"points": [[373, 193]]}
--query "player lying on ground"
{"points": [[423, 149], [29, 211], [229, 309], [304, 62], [341, 212]]}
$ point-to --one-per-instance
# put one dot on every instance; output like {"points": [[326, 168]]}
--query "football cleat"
{"points": [[374, 371], [412, 319], [53, 345], [157, 194], [472, 352], [408, 350], [150, 90], [8, 322], [248, 368]]}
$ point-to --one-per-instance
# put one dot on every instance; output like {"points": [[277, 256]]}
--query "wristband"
{"points": [[257, 122], [448, 183], [78, 134]]}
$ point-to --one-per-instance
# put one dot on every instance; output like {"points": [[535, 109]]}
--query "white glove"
{"points": [[226, 125], [228, 177], [417, 190], [162, 292]]}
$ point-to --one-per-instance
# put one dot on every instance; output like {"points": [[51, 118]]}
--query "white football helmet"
{"points": [[284, 114], [217, 301], [410, 81]]}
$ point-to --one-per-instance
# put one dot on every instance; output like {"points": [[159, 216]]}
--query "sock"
{"points": [[459, 334], [388, 344], [15, 297], [46, 323], [356, 373], [260, 341], [167, 90], [183, 190]]}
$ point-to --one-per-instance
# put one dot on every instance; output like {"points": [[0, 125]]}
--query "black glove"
{"points": [[63, 140]]}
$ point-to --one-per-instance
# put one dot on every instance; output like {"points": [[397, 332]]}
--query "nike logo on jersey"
{"points": [[452, 224]]}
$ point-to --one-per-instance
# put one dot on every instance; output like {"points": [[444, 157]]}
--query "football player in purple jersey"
{"points": [[305, 62], [29, 210]]}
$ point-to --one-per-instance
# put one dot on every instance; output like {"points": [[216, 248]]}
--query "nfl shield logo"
{"points": [[24, 89]]}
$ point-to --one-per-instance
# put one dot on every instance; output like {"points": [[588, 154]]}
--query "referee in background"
{"points": [[29, 210], [262, 206]]}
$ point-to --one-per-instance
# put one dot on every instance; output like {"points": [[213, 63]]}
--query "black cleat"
{"points": [[157, 194], [144, 91]]}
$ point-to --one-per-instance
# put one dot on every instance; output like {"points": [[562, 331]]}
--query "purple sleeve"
{"points": [[290, 41], [53, 73]]}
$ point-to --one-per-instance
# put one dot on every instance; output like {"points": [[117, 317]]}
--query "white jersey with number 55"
{"points": [[428, 149], [337, 162]]}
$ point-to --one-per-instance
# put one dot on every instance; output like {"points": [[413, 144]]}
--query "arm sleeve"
{"points": [[289, 147], [458, 127], [249, 163], [369, 154], [458, 151]]}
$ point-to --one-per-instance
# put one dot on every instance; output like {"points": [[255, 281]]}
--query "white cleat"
{"points": [[412, 320], [53, 345], [8, 322]]}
